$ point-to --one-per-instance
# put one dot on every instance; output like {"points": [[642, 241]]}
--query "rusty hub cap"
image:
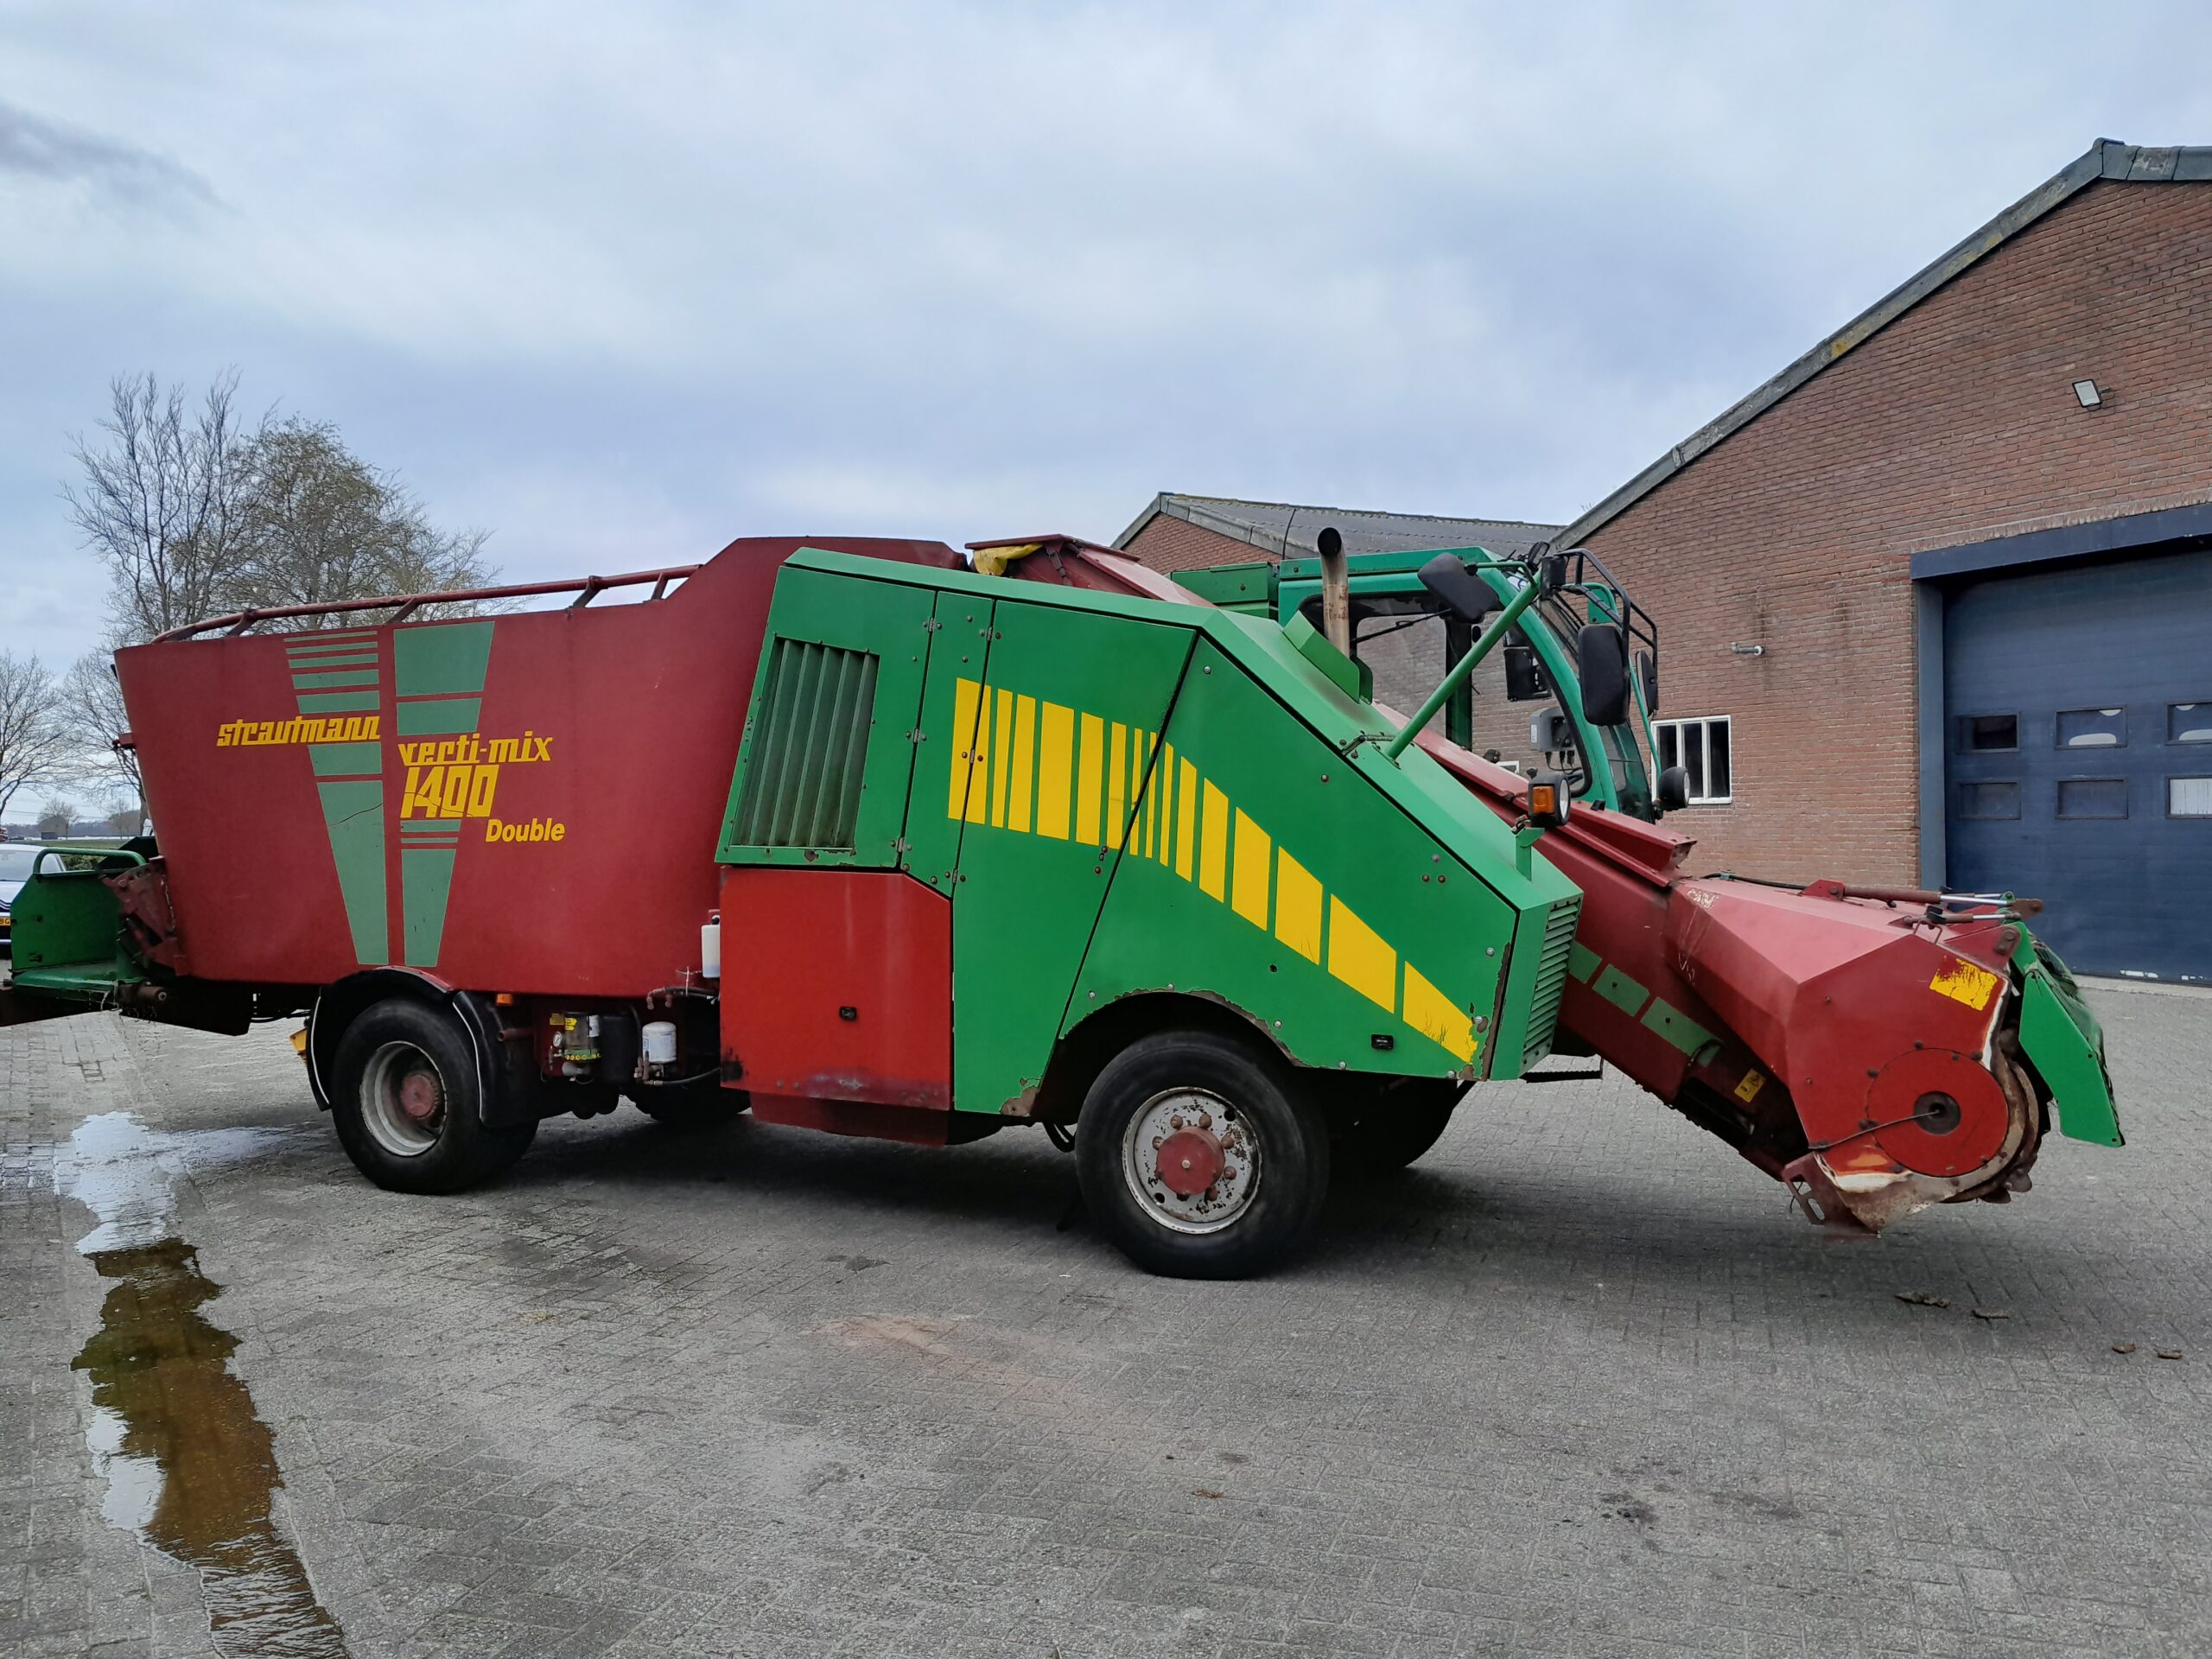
{"points": [[1191, 1160], [418, 1096]]}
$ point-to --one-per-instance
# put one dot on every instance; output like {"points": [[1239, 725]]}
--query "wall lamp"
{"points": [[2087, 394]]}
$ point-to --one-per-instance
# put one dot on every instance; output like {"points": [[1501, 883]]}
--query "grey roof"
{"points": [[1285, 529], [2108, 158]]}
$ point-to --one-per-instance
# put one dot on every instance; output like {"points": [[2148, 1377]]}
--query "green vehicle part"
{"points": [[67, 942], [1125, 797], [2061, 1038], [2064, 1043], [1385, 586]]}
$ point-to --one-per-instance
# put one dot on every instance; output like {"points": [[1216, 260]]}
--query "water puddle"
{"points": [[190, 1467]]}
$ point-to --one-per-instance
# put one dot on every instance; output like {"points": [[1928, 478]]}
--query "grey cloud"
{"points": [[31, 145]]}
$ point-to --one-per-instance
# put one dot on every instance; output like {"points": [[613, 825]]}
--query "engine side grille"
{"points": [[810, 746], [1551, 978]]}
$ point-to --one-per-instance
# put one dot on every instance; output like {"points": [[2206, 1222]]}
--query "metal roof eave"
{"points": [[1284, 540]]}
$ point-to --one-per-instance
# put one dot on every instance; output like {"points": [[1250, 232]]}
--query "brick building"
{"points": [[1935, 600]]}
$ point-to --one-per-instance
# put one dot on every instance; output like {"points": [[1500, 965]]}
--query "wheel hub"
{"points": [[418, 1096], [1190, 1162], [402, 1100]]}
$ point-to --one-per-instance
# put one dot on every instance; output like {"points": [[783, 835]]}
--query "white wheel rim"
{"points": [[394, 1073], [1226, 1199]]}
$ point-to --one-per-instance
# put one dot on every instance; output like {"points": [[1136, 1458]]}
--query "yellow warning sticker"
{"points": [[1749, 1088], [1965, 981]]}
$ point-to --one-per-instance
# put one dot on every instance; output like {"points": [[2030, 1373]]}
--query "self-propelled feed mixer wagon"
{"points": [[873, 842]]}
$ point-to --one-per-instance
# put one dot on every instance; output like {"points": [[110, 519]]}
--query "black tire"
{"points": [[692, 1108], [1285, 1161], [399, 1051], [1382, 1130]]}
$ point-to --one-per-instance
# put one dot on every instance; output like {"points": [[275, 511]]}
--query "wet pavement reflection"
{"points": [[190, 1464], [190, 1467]]}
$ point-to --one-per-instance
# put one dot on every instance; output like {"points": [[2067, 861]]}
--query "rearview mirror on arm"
{"points": [[1601, 659], [1467, 594]]}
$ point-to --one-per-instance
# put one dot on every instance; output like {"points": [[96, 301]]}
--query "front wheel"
{"points": [[1199, 1157], [407, 1102]]}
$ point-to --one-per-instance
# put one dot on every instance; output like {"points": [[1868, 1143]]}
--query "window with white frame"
{"points": [[1704, 748]]}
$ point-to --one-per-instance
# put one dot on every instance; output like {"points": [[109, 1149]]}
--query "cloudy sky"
{"points": [[620, 282]]}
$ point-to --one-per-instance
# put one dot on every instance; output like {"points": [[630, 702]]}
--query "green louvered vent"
{"points": [[810, 742], [1551, 978]]}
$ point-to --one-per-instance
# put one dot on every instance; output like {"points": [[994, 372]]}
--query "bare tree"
{"points": [[56, 817], [126, 818], [33, 739], [319, 524], [160, 503], [91, 707]]}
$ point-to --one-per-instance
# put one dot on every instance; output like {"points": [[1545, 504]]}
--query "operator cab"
{"points": [[1574, 679]]}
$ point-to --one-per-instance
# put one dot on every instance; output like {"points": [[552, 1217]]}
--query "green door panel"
{"points": [[1046, 759], [833, 711], [1268, 871], [947, 793]]}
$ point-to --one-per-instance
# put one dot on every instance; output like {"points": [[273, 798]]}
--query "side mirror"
{"points": [[1548, 801], [1551, 574], [1674, 790], [1601, 658], [1467, 595], [1647, 674]]}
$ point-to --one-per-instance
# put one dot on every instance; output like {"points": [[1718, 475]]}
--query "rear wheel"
{"points": [[1383, 1129], [1198, 1158], [407, 1102]]}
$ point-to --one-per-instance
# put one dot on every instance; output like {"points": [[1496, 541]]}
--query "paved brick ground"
{"points": [[1576, 1384]]}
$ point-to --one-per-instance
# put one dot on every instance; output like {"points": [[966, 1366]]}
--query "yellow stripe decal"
{"points": [[963, 737], [1429, 1012], [1118, 778], [1088, 775], [1146, 812], [1213, 844], [1186, 818], [1001, 758], [1056, 729], [1041, 767], [1248, 890], [1298, 907], [1167, 801], [1358, 957], [1025, 749]]}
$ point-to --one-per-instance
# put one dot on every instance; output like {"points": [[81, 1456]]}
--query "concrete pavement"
{"points": [[1578, 1383]]}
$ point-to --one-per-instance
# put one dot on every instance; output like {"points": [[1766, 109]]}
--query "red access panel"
{"points": [[838, 985]]}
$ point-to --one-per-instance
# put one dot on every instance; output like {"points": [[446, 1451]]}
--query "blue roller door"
{"points": [[2079, 756]]}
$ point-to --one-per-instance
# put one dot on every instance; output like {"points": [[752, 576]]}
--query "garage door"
{"points": [[2079, 706]]}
